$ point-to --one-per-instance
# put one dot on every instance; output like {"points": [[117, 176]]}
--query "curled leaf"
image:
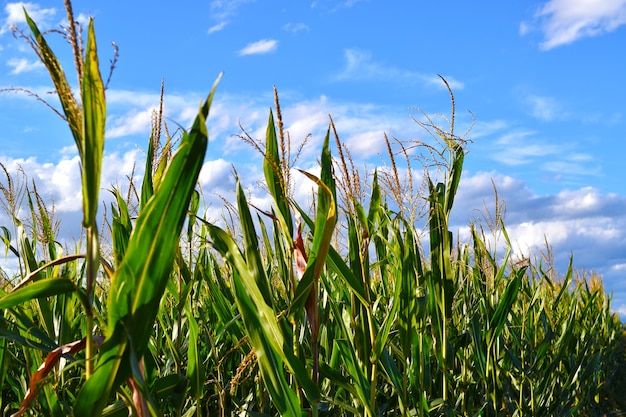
{"points": [[48, 364]]}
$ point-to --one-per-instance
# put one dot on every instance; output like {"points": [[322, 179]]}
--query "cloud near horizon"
{"points": [[582, 222]]}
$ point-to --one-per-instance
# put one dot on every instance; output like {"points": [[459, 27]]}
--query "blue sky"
{"points": [[543, 80]]}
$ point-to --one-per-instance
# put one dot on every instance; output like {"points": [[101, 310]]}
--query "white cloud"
{"points": [[262, 46], [335, 6], [130, 112], [583, 222], [367, 144], [621, 311], [59, 181], [360, 66], [128, 98], [296, 27], [521, 147], [217, 27], [308, 117], [619, 267], [15, 15], [21, 65], [565, 21], [544, 108], [516, 146], [434, 81], [223, 9], [130, 124], [116, 169], [217, 176], [83, 19], [360, 126], [350, 3]]}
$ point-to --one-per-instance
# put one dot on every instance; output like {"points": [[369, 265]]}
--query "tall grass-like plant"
{"points": [[138, 283], [343, 309]]}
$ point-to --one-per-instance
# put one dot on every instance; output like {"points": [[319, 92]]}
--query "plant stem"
{"points": [[92, 268]]}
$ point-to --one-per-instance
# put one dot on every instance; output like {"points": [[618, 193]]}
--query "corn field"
{"points": [[343, 307]]}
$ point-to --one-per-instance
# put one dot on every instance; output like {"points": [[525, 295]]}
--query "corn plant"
{"points": [[343, 309], [138, 282]]}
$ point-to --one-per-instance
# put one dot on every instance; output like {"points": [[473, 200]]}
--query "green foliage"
{"points": [[340, 310]]}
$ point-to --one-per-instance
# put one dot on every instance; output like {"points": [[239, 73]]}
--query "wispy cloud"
{"points": [[350, 3], [334, 5], [21, 65], [15, 15], [544, 108], [522, 147], [218, 27], [359, 63], [296, 27], [565, 21], [517, 147], [222, 10], [263, 46], [360, 66]]}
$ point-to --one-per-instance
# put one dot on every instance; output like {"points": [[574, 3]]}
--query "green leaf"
{"points": [[325, 220], [251, 248], [260, 319], [43, 288], [6, 239], [499, 318], [275, 180], [66, 96], [94, 117], [268, 354], [375, 202], [390, 319], [352, 364], [338, 265], [195, 371], [147, 185], [121, 228], [140, 281]]}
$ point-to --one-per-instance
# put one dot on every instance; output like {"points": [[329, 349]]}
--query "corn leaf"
{"points": [[325, 220], [94, 117], [263, 329], [195, 370], [66, 96], [275, 180], [140, 281], [121, 228], [43, 288]]}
